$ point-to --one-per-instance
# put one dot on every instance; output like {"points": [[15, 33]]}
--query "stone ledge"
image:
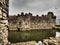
{"points": [[25, 43]]}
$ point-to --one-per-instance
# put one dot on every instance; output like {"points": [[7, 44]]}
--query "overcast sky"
{"points": [[34, 6]]}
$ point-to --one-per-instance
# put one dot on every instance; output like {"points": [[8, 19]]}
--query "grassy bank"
{"points": [[18, 36]]}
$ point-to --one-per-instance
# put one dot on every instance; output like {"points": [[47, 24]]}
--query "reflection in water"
{"points": [[57, 21], [57, 34]]}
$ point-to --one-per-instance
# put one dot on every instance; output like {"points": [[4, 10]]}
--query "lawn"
{"points": [[19, 36]]}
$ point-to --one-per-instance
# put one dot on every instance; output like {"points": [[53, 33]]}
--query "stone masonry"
{"points": [[25, 43], [52, 40], [4, 22], [27, 21]]}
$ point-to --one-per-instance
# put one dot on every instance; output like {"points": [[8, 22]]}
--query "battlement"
{"points": [[47, 17], [27, 21]]}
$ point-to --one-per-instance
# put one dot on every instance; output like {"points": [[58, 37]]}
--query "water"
{"points": [[57, 34], [58, 21]]}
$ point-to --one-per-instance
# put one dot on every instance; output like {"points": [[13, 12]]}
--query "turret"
{"points": [[22, 13], [30, 14], [51, 15]]}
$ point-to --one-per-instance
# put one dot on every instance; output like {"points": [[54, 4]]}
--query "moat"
{"points": [[34, 35]]}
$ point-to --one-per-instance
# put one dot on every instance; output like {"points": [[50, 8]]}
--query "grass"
{"points": [[18, 36]]}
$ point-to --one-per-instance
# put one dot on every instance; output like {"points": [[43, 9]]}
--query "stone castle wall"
{"points": [[4, 22], [25, 43], [52, 41], [27, 21]]}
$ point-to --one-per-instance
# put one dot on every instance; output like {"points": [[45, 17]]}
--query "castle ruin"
{"points": [[22, 22], [4, 4], [27, 21]]}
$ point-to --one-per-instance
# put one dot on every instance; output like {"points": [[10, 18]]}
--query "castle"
{"points": [[22, 22], [27, 21]]}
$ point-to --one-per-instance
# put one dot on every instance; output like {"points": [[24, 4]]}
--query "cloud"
{"points": [[34, 6]]}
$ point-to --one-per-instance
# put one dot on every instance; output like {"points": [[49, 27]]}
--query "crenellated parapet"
{"points": [[26, 21]]}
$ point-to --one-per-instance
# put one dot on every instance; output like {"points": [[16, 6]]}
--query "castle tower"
{"points": [[4, 6], [52, 18]]}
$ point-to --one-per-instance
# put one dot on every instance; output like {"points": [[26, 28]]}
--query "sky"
{"points": [[34, 6]]}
